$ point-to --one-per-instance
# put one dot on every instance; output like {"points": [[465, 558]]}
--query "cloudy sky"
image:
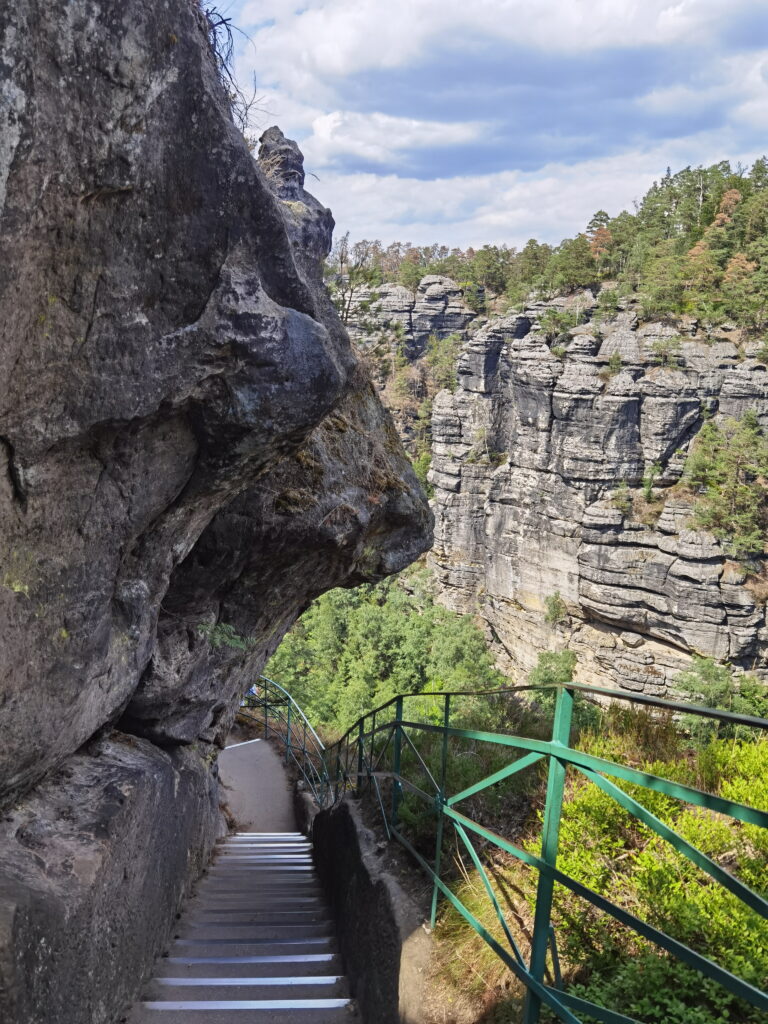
{"points": [[498, 120]]}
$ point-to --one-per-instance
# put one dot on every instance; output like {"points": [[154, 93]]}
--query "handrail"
{"points": [[372, 753], [296, 707], [292, 727]]}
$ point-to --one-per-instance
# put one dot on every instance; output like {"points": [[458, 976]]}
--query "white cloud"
{"points": [[508, 207], [378, 137], [307, 42], [304, 50]]}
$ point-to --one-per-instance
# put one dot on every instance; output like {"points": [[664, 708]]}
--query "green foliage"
{"points": [[442, 355], [553, 668], [606, 849], [557, 322], [474, 295], [607, 304], [354, 649], [622, 498], [422, 463], [558, 351], [557, 610], [222, 634], [667, 351], [649, 479], [615, 363], [603, 849], [715, 686], [697, 244], [727, 466]]}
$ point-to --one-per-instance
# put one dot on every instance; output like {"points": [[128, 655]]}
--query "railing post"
{"points": [[288, 736], [360, 742], [266, 715], [397, 789], [440, 815], [550, 836]]}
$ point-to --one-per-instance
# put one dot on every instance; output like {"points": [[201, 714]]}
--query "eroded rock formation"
{"points": [[186, 439], [436, 308], [528, 454]]}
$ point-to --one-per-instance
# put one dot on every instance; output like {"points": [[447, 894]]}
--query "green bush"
{"points": [[622, 498], [605, 849], [557, 322], [715, 686], [667, 351], [557, 610]]}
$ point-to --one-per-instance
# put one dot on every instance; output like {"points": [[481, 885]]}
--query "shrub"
{"points": [[649, 479], [441, 358], [715, 686], [557, 610], [557, 322], [667, 351], [622, 498]]}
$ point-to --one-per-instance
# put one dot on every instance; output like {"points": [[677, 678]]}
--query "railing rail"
{"points": [[268, 703], [371, 756]]}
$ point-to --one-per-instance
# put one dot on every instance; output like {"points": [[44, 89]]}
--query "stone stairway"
{"points": [[255, 945]]}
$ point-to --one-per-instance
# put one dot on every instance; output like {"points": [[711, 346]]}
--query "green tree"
{"points": [[727, 467], [442, 356], [715, 686], [354, 649]]}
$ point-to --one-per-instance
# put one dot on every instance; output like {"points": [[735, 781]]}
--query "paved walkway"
{"points": [[255, 788], [255, 945]]}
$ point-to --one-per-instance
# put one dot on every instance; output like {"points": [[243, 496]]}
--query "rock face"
{"points": [[186, 439], [437, 308], [527, 456]]}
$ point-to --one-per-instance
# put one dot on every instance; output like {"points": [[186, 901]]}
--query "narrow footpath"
{"points": [[255, 944]]}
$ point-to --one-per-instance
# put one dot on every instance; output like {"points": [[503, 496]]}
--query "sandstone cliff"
{"points": [[527, 456], [186, 439]]}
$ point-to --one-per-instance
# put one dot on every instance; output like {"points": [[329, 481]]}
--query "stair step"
{"points": [[264, 965], [221, 887], [250, 1004], [218, 1013], [216, 918], [273, 846], [255, 944], [241, 930], [244, 947], [173, 989]]}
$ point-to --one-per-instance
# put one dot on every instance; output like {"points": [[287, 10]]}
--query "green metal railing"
{"points": [[370, 756], [283, 720]]}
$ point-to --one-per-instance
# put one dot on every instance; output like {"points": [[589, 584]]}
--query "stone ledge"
{"points": [[385, 949]]}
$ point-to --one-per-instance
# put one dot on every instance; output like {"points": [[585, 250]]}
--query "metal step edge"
{"points": [[288, 980], [314, 940], [267, 958], [249, 1004]]}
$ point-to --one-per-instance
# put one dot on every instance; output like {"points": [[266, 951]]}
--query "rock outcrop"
{"points": [[186, 440], [528, 454], [436, 308]]}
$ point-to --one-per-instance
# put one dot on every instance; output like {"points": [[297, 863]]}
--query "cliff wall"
{"points": [[186, 441], [528, 454]]}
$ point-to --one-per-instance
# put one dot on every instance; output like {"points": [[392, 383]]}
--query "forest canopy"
{"points": [[696, 243]]}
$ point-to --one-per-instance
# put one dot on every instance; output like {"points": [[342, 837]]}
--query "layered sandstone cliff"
{"points": [[528, 455], [186, 439]]}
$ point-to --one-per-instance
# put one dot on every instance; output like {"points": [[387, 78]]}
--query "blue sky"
{"points": [[499, 120]]}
